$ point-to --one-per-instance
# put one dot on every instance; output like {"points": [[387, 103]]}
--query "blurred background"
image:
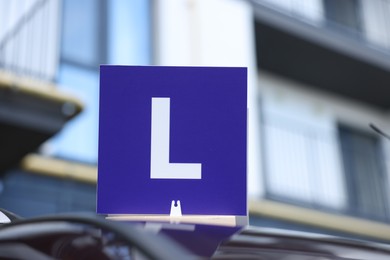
{"points": [[319, 73]]}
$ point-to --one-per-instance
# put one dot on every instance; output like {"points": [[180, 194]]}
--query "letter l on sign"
{"points": [[160, 167]]}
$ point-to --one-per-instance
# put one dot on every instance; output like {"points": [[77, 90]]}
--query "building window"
{"points": [[300, 158], [343, 15], [365, 174], [83, 48], [84, 32], [304, 167], [95, 32]]}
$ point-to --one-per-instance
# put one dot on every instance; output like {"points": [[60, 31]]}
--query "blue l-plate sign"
{"points": [[172, 133]]}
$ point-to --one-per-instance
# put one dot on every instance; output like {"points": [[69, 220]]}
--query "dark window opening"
{"points": [[365, 174], [343, 15]]}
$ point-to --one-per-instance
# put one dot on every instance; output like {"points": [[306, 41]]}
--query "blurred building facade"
{"points": [[318, 76]]}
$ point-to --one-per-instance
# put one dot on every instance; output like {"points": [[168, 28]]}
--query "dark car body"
{"points": [[92, 237]]}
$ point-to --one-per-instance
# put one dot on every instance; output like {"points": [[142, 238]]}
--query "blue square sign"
{"points": [[172, 133]]}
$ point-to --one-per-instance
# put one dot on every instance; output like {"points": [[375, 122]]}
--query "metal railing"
{"points": [[373, 18], [29, 38], [305, 165]]}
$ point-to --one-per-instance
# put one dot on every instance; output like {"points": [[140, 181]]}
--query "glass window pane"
{"points": [[80, 31], [78, 140], [344, 13], [365, 174], [129, 34]]}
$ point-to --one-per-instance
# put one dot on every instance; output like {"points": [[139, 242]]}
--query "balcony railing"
{"points": [[368, 26], [29, 38], [32, 109], [320, 165]]}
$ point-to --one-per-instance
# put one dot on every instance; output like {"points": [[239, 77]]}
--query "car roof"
{"points": [[222, 242]]}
